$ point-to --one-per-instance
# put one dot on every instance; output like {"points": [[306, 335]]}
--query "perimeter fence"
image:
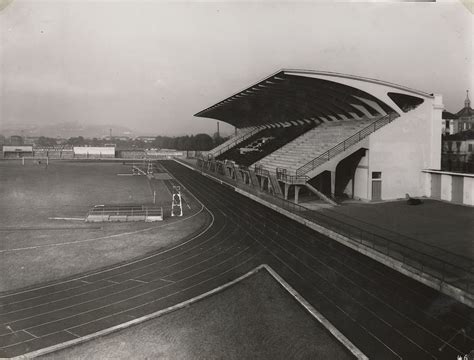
{"points": [[446, 266]]}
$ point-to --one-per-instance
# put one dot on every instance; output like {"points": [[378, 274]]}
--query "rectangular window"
{"points": [[470, 147], [376, 175]]}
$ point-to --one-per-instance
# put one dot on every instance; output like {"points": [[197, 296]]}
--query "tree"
{"points": [[45, 141], [202, 142], [76, 141]]}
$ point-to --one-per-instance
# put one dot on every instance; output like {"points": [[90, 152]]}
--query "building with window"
{"points": [[463, 120]]}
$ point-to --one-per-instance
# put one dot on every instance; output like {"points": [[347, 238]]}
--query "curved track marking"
{"points": [[362, 299], [131, 262], [102, 237], [312, 311]]}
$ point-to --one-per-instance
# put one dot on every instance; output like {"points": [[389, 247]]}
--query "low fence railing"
{"points": [[236, 141], [446, 266], [282, 175]]}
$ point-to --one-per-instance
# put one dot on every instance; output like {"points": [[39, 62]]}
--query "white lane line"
{"points": [[369, 293], [166, 280], [128, 289], [70, 332], [128, 263], [135, 296], [312, 311], [140, 281], [33, 335], [95, 239], [374, 296], [118, 292], [317, 315], [137, 320], [336, 305], [113, 293]]}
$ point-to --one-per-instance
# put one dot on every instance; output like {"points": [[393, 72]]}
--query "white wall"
{"points": [[468, 198], [362, 179], [447, 185], [19, 148], [403, 148], [93, 150]]}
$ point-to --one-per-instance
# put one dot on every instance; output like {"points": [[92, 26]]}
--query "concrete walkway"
{"points": [[434, 223]]}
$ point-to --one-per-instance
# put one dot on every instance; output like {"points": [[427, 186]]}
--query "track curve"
{"points": [[385, 314]]}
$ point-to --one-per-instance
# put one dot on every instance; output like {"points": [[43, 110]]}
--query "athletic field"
{"points": [[42, 236]]}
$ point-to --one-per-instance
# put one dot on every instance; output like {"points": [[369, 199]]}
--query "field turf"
{"points": [[254, 319], [35, 248]]}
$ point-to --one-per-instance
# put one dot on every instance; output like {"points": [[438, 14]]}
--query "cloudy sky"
{"points": [[151, 65]]}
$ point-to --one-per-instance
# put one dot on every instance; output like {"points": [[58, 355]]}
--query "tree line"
{"points": [[198, 142]]}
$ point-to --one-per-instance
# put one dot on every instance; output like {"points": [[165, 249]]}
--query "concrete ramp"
{"points": [[321, 195]]}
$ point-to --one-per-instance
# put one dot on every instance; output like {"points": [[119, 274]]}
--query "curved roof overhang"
{"points": [[297, 95]]}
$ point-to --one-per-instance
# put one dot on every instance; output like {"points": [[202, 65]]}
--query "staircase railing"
{"points": [[342, 146], [282, 175], [239, 139]]}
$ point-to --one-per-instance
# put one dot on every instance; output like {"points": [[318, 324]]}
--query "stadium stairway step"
{"points": [[313, 143]]}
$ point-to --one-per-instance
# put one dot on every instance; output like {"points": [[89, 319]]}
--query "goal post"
{"points": [[34, 160]]}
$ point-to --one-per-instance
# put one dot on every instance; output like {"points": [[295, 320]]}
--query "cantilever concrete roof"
{"points": [[290, 95]]}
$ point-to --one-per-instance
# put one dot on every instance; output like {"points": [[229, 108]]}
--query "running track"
{"points": [[385, 314]]}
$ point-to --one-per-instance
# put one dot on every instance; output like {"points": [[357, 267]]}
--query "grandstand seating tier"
{"points": [[263, 142], [234, 139], [312, 144]]}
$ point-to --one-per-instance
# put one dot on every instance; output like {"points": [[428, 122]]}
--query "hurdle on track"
{"points": [[124, 213]]}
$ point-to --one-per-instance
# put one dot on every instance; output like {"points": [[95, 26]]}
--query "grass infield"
{"points": [[253, 319], [36, 249]]}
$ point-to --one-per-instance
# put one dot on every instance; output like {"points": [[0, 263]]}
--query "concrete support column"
{"points": [[297, 193], [333, 182], [435, 132], [446, 187], [287, 188]]}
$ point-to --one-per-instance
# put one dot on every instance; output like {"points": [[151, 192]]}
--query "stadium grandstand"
{"points": [[54, 151], [333, 134]]}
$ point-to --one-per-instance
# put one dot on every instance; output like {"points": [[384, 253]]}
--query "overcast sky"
{"points": [[151, 65]]}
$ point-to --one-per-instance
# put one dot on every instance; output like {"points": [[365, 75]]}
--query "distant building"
{"points": [[164, 154], [94, 152], [147, 139], [461, 121], [115, 138], [448, 122], [2, 139], [464, 147], [16, 151], [16, 140], [465, 116]]}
